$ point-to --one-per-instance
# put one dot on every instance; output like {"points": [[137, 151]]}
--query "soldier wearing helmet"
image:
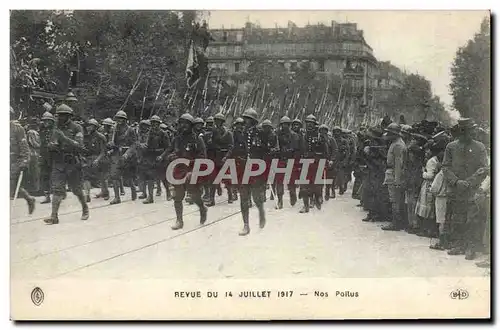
{"points": [[152, 153], [67, 145], [342, 159], [255, 148], [315, 148], [331, 164], [288, 148], [238, 152], [223, 143], [19, 158], [122, 151], [189, 146], [95, 151], [46, 130], [142, 136]]}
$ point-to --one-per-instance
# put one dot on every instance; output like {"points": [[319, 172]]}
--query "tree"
{"points": [[471, 81]]}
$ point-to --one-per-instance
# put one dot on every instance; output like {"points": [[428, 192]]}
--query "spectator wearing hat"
{"points": [[395, 175], [465, 166]]}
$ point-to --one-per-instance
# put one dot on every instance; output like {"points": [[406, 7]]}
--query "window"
{"points": [[222, 51], [224, 36], [239, 36], [236, 67], [321, 66]]}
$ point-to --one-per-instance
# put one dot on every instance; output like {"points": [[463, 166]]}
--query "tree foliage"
{"points": [[109, 49], [471, 79]]}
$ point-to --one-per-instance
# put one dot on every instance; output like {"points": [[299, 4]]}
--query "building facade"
{"points": [[327, 50]]}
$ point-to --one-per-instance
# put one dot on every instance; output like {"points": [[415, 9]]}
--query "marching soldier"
{"points": [[170, 136], [343, 158], [48, 125], [95, 145], [19, 158], [330, 166], [67, 143], [208, 134], [316, 148], [142, 138], [269, 144], [189, 146], [104, 163], [238, 153], [223, 141], [199, 130], [288, 148], [121, 149], [255, 149], [156, 143]]}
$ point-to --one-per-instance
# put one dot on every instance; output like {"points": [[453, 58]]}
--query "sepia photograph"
{"points": [[250, 165]]}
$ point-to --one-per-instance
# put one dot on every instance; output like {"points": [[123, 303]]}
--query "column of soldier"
{"points": [[118, 154], [426, 179]]}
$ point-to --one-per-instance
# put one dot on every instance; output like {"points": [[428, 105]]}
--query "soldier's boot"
{"points": [[29, 199], [305, 208], [280, 202], [178, 212], [327, 193], [318, 201], [211, 196], [246, 227], [85, 207], [158, 188], [143, 188], [150, 187], [122, 188], [230, 198], [333, 192], [203, 211], [206, 193], [262, 215], [86, 190], [219, 190], [116, 190], [133, 190], [56, 203], [169, 194], [293, 197], [235, 194], [47, 198], [442, 244]]}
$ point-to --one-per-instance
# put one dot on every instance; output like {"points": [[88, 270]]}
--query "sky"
{"points": [[423, 42]]}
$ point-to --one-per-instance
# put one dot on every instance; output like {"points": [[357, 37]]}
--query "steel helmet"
{"points": [[93, 122], [285, 120], [239, 120], [63, 108], [297, 120], [108, 122], [47, 106], [48, 116], [155, 118], [187, 117], [198, 120], [250, 113], [267, 122], [163, 126], [323, 126], [220, 116], [311, 119], [210, 119], [337, 129], [145, 122], [121, 114]]}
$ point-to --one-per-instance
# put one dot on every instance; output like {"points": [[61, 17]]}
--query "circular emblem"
{"points": [[37, 296]]}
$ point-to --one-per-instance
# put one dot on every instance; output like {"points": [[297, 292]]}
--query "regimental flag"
{"points": [[193, 67]]}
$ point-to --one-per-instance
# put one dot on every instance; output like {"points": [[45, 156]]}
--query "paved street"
{"points": [[135, 241]]}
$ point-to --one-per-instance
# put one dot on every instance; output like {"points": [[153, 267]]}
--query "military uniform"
{"points": [[67, 143], [288, 148], [223, 142], [254, 149], [106, 130], [331, 166], [122, 151], [95, 149], [156, 144], [190, 146], [316, 147], [19, 158], [45, 155], [464, 167]]}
